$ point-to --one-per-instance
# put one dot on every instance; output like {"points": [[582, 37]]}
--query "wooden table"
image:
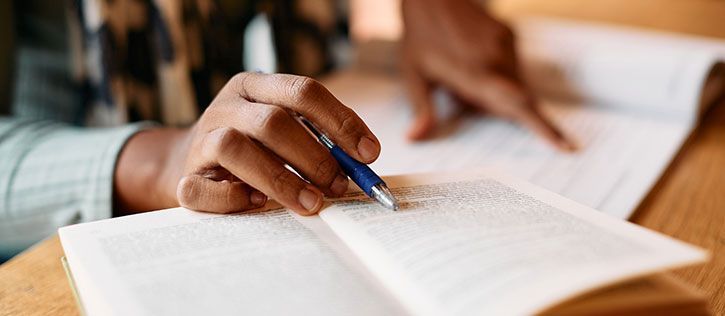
{"points": [[688, 203]]}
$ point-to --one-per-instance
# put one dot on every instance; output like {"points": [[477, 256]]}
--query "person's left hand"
{"points": [[457, 45]]}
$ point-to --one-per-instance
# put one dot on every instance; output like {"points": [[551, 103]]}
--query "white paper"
{"points": [[612, 66], [180, 262], [461, 244], [621, 155], [629, 98], [482, 244]]}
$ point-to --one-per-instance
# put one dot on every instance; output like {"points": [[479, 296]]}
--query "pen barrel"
{"points": [[358, 172]]}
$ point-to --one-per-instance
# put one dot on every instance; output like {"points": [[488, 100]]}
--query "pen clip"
{"points": [[326, 141]]}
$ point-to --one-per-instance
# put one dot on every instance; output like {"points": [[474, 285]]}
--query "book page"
{"points": [[483, 244], [180, 262], [621, 156], [613, 66]]}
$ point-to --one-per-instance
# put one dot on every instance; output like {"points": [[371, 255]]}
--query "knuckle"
{"points": [[222, 140], [303, 89], [326, 170], [271, 120], [350, 127], [238, 84], [228, 138], [186, 192], [238, 80], [283, 181]]}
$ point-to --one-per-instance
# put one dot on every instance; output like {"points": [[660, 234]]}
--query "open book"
{"points": [[462, 244], [628, 97]]}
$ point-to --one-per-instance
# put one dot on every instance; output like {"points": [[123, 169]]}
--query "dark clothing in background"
{"points": [[74, 73]]}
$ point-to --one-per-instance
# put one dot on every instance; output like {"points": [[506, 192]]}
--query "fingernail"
{"points": [[258, 198], [367, 149], [309, 199], [339, 186]]}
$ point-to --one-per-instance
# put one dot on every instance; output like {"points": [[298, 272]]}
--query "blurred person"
{"points": [[93, 83]]}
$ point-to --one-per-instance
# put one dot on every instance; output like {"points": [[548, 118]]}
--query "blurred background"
{"points": [[376, 22], [379, 18], [309, 24]]}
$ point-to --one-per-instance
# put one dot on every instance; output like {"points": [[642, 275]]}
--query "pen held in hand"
{"points": [[358, 172]]}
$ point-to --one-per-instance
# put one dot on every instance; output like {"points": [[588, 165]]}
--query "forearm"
{"points": [[148, 169]]}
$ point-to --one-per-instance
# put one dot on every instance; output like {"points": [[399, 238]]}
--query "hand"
{"points": [[457, 45], [234, 157]]}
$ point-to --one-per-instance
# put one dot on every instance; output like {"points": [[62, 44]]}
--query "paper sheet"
{"points": [[622, 154], [627, 96], [617, 67], [181, 262], [475, 243], [461, 244]]}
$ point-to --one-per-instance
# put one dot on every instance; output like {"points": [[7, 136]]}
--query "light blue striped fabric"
{"points": [[53, 175]]}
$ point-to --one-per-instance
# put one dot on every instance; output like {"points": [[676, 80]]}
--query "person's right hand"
{"points": [[234, 157]]}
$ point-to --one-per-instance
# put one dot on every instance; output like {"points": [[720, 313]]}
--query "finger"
{"points": [[468, 107], [500, 53], [200, 193], [286, 138], [420, 92], [240, 155], [534, 120], [516, 103], [506, 97], [309, 98]]}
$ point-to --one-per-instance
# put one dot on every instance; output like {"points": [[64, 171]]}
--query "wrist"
{"points": [[148, 170]]}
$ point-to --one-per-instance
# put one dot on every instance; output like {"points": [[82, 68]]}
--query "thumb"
{"points": [[420, 93]]}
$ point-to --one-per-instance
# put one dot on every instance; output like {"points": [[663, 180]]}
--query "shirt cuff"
{"points": [[99, 201]]}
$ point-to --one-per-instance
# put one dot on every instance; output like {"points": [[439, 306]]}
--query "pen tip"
{"points": [[382, 194]]}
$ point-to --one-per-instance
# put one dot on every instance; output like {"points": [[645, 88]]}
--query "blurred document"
{"points": [[619, 160], [629, 99]]}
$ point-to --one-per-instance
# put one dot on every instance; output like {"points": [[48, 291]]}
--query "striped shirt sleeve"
{"points": [[52, 175]]}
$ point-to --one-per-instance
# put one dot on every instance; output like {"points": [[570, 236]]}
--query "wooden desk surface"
{"points": [[688, 203]]}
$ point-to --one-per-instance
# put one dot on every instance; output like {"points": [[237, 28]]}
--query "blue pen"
{"points": [[359, 172]]}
